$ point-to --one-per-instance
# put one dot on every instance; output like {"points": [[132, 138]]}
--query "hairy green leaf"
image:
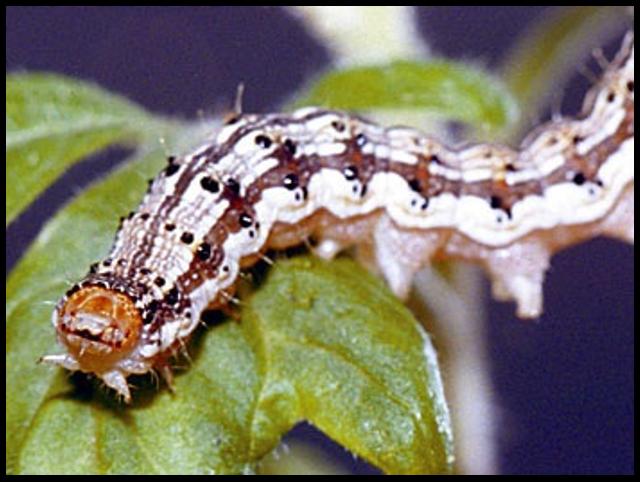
{"points": [[53, 122], [448, 89]]}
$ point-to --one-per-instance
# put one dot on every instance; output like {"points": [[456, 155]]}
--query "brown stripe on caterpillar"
{"points": [[400, 197]]}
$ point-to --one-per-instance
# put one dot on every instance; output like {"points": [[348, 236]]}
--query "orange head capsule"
{"points": [[99, 327]]}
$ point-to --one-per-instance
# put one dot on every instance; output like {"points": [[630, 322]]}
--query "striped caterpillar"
{"points": [[400, 197]]}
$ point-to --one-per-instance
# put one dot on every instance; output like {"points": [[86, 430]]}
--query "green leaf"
{"points": [[449, 89], [548, 52], [335, 347], [53, 122], [322, 342]]}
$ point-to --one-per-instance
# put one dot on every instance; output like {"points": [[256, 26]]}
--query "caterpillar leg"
{"points": [[399, 253], [339, 234], [115, 379], [167, 375], [327, 248], [517, 273]]}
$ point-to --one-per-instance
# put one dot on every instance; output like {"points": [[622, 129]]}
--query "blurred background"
{"points": [[563, 384]]}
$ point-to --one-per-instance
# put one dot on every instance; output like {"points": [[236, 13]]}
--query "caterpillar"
{"points": [[400, 197]]}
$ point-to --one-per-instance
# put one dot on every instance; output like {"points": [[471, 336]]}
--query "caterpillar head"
{"points": [[99, 327]]}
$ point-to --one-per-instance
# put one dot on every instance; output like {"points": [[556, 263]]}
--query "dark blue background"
{"points": [[564, 384]]}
